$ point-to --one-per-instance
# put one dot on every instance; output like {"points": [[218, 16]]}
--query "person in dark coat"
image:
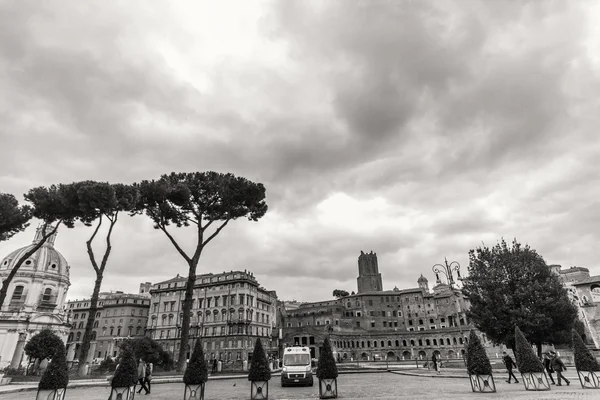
{"points": [[510, 364], [548, 366], [434, 360], [558, 367]]}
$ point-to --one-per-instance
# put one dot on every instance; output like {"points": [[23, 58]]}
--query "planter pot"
{"points": [[328, 388], [194, 392], [259, 390], [589, 379], [483, 383], [51, 394], [535, 381], [122, 393]]}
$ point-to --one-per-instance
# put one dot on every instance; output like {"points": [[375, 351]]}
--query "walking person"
{"points": [[141, 371], [548, 367], [436, 365], [509, 363], [149, 368], [558, 367], [214, 365]]}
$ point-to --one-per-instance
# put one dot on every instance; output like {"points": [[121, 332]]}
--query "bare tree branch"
{"points": [[89, 246], [211, 237], [177, 247]]}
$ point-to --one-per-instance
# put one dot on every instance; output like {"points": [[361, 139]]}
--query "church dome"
{"points": [[45, 260], [422, 279]]}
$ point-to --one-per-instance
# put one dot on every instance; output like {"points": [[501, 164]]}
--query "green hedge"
{"points": [[326, 368], [259, 368], [56, 375], [584, 359], [478, 362], [126, 373], [526, 359], [197, 370]]}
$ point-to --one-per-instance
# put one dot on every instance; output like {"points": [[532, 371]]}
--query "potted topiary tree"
{"points": [[531, 368], [53, 384], [125, 377], [195, 375], [327, 372], [259, 374], [586, 364], [479, 367]]}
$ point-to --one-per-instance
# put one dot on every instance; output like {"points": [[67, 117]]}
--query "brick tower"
{"points": [[369, 278]]}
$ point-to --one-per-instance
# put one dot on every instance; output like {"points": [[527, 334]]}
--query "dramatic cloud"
{"points": [[417, 130]]}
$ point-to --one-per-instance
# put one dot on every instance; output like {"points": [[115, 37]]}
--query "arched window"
{"points": [[93, 335], [47, 296], [420, 342], [397, 343], [70, 339], [435, 342], [81, 325], [382, 343], [18, 293], [78, 336], [137, 330], [95, 324], [404, 343], [98, 314], [427, 342], [412, 342], [389, 343]]}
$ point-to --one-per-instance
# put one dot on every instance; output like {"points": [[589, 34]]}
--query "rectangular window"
{"points": [[385, 324], [372, 324], [358, 324]]}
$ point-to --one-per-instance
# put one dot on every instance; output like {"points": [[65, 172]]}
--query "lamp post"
{"points": [[448, 269]]}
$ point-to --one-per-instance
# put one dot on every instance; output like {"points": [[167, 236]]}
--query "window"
{"points": [[370, 302], [18, 292], [47, 296], [372, 324], [358, 324]]}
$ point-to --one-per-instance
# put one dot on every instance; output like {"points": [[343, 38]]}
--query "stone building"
{"points": [[374, 324], [35, 299], [119, 316], [230, 311], [584, 290]]}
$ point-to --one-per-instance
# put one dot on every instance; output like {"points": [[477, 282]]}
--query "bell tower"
{"points": [[369, 278]]}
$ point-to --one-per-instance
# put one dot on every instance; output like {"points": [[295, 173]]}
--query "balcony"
{"points": [[16, 304], [239, 321], [47, 303]]}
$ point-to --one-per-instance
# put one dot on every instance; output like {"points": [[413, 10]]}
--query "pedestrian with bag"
{"points": [[510, 364], [149, 368], [141, 372], [548, 367], [559, 367]]}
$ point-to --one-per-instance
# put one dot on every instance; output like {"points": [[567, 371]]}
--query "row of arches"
{"points": [[405, 355], [351, 344]]}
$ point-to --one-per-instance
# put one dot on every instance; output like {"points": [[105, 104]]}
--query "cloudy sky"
{"points": [[416, 129]]}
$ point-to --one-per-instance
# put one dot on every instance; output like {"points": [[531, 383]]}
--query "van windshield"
{"points": [[296, 359]]}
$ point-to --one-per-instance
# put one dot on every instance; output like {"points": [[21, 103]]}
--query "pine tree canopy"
{"points": [[197, 370], [326, 369], [511, 286], [584, 359], [526, 359], [478, 362]]}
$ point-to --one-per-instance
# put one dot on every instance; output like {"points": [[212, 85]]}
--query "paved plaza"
{"points": [[351, 386]]}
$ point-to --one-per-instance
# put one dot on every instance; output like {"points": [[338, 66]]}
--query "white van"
{"points": [[297, 369]]}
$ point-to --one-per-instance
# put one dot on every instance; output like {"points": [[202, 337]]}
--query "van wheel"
{"points": [[312, 383]]}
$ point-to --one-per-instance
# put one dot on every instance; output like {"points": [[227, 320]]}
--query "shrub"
{"points": [[44, 344], [526, 359], [107, 365], [259, 368], [148, 350], [126, 373], [197, 370], [326, 369], [56, 375], [584, 359], [478, 362]]}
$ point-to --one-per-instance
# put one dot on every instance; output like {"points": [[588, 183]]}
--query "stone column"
{"points": [[71, 352], [91, 352], [18, 354]]}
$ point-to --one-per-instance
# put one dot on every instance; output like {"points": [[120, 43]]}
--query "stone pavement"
{"points": [[381, 386]]}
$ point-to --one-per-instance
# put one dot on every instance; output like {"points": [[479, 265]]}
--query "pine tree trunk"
{"points": [[89, 326], [185, 321]]}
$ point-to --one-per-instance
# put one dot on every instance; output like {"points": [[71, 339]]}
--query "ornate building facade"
{"points": [[377, 324], [119, 316], [230, 311], [35, 299]]}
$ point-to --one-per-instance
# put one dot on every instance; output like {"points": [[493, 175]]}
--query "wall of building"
{"points": [[229, 312]]}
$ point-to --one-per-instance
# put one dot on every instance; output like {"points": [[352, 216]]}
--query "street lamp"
{"points": [[448, 270]]}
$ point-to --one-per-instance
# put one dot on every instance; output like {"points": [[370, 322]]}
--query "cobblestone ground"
{"points": [[380, 386]]}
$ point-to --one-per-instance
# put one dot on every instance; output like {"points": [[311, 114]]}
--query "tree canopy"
{"points": [[338, 293], [45, 344], [197, 370], [478, 362], [13, 217], [198, 199], [326, 368], [56, 376], [510, 286], [259, 367]]}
